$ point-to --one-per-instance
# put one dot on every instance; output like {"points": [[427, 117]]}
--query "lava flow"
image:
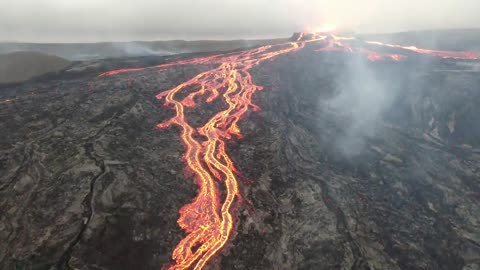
{"points": [[209, 219]]}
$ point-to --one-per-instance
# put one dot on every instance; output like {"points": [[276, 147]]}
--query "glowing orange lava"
{"points": [[209, 219]]}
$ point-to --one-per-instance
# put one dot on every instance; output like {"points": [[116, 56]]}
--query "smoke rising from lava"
{"points": [[361, 99], [137, 49], [113, 20]]}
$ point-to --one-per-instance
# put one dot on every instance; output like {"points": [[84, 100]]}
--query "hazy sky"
{"points": [[107, 20]]}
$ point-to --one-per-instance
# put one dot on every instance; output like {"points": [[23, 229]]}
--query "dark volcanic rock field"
{"points": [[349, 165]]}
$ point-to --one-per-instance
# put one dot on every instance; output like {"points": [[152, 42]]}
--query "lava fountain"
{"points": [[209, 219]]}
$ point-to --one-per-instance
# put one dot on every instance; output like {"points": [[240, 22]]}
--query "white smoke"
{"points": [[361, 99], [137, 49]]}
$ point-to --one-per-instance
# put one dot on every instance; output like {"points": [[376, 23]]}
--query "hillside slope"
{"points": [[21, 66], [89, 51]]}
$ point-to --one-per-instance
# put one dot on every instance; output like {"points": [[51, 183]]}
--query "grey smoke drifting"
{"points": [[138, 49], [361, 99], [126, 20]]}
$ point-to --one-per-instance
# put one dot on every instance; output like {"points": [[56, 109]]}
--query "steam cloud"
{"points": [[137, 49], [362, 99]]}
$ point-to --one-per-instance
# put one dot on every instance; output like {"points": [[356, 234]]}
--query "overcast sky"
{"points": [[109, 20]]}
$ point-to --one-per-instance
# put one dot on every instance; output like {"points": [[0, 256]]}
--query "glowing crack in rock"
{"points": [[209, 220]]}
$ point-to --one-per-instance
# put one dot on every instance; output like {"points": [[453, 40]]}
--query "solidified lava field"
{"points": [[321, 153]]}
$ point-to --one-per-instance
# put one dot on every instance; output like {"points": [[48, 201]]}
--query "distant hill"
{"points": [[457, 39], [21, 66], [22, 61], [89, 51]]}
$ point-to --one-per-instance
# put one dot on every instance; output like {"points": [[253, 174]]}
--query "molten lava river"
{"points": [[209, 219]]}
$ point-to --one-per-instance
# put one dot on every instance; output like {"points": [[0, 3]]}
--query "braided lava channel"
{"points": [[208, 220]]}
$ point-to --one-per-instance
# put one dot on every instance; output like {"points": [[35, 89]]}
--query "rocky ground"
{"points": [[349, 165]]}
